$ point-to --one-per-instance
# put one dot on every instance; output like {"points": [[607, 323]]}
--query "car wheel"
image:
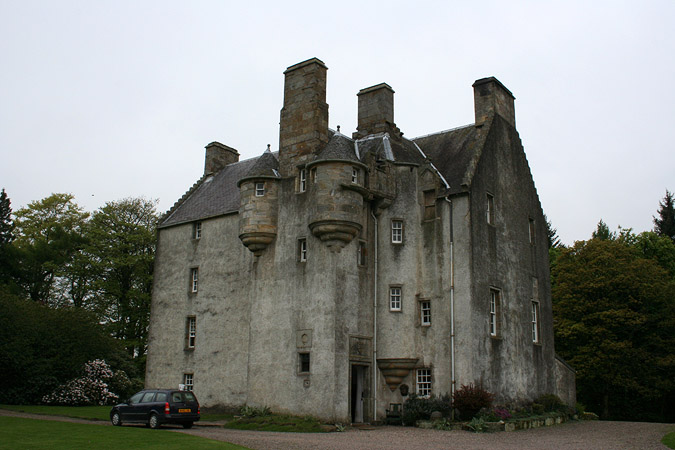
{"points": [[187, 425], [115, 419], [154, 421]]}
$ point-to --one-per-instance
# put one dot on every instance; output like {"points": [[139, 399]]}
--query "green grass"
{"points": [[90, 412], [669, 440], [276, 422], [20, 433], [80, 412]]}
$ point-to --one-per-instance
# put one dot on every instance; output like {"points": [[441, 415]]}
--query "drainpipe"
{"points": [[452, 301], [375, 320]]}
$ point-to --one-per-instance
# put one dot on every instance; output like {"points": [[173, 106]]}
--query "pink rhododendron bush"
{"points": [[92, 388]]}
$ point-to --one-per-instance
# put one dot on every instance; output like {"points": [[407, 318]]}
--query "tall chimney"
{"points": [[491, 97], [304, 118], [219, 156], [376, 110]]}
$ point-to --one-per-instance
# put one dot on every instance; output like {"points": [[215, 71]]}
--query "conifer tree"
{"points": [[664, 225], [6, 226]]}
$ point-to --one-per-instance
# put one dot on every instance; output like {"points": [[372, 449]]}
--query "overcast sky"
{"points": [[111, 99]]}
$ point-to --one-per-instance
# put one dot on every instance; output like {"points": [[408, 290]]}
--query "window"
{"points": [[396, 231], [304, 362], [424, 382], [136, 398], [355, 175], [260, 189], [495, 307], [197, 230], [161, 397], [429, 205], [535, 322], [490, 209], [191, 331], [188, 381], [395, 298], [147, 397], [531, 230], [425, 312], [362, 254], [194, 279], [302, 250], [302, 180], [312, 174]]}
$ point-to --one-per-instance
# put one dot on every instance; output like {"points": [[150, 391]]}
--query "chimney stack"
{"points": [[491, 97], [376, 110], [219, 156], [304, 117]]}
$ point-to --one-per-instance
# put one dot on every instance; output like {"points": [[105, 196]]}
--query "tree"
{"points": [[614, 312], [553, 238], [6, 238], [602, 232], [49, 234], [122, 240], [664, 225]]}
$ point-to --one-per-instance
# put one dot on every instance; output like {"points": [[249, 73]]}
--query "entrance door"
{"points": [[357, 391]]}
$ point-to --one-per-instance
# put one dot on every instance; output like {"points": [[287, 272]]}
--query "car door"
{"points": [[145, 406], [128, 411]]}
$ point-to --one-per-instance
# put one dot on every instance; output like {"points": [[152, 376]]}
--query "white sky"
{"points": [[111, 99]]}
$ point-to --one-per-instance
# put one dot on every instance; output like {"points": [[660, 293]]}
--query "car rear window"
{"points": [[189, 397], [183, 397]]}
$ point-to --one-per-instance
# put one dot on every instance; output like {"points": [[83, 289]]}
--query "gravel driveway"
{"points": [[574, 435]]}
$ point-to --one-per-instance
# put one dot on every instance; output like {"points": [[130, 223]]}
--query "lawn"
{"points": [[19, 433], [88, 412], [669, 440], [278, 422]]}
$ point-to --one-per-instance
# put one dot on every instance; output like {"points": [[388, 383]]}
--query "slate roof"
{"points": [[213, 195], [454, 153]]}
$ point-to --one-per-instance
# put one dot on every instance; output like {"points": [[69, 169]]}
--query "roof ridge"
{"points": [[444, 131]]}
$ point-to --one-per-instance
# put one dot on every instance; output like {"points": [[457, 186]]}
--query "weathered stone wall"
{"points": [[566, 384], [503, 258]]}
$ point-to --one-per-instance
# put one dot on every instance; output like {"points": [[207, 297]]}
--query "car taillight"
{"points": [[199, 410], [166, 408]]}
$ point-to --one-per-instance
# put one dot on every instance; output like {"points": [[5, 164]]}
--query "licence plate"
{"points": [[184, 410]]}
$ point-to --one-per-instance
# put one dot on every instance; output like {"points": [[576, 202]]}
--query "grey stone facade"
{"points": [[337, 274]]}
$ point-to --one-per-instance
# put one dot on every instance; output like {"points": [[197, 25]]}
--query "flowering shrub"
{"points": [[470, 399], [502, 413], [89, 389]]}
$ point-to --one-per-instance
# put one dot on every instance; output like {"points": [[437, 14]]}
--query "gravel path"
{"points": [[575, 435]]}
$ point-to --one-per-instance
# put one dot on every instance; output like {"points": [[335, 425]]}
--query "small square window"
{"points": [[260, 189], [425, 312], [535, 322], [396, 231], [302, 180], [194, 280], [395, 298], [423, 380], [490, 209], [188, 381], [191, 332], [304, 362], [495, 308], [197, 230], [302, 250], [362, 254]]}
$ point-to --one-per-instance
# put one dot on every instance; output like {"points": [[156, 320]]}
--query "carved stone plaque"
{"points": [[360, 348]]}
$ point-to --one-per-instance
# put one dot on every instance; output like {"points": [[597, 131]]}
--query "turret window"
{"points": [[302, 180], [260, 189], [355, 175]]}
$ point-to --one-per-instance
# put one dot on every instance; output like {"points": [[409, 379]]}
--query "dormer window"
{"points": [[260, 189]]}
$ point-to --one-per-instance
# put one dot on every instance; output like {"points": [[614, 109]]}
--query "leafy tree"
{"points": [[43, 347], [664, 225], [122, 240], [49, 234], [614, 313]]}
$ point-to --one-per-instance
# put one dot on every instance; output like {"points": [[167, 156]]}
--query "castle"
{"points": [[341, 274]]}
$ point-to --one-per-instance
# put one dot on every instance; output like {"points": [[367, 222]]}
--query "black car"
{"points": [[155, 407]]}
